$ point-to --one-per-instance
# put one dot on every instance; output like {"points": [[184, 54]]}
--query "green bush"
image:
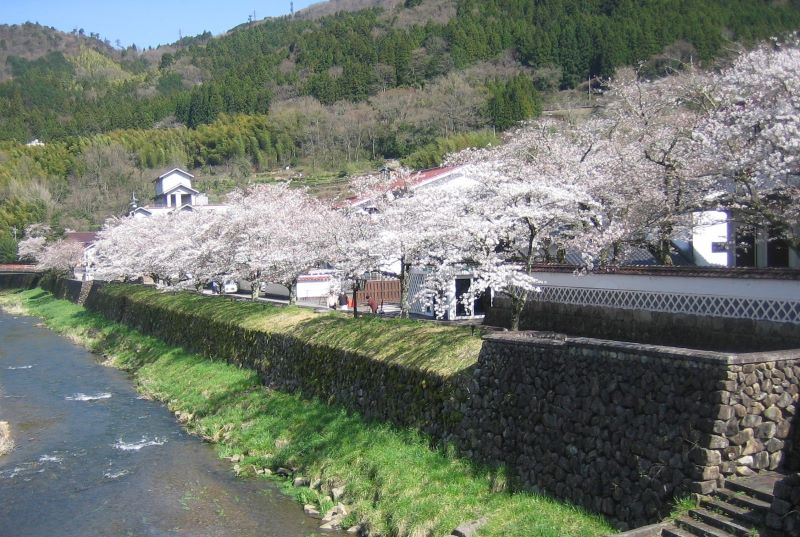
{"points": [[433, 154]]}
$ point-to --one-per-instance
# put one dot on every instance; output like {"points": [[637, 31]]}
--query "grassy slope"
{"points": [[445, 350], [396, 484]]}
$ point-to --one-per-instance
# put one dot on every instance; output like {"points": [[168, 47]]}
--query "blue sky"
{"points": [[143, 22]]}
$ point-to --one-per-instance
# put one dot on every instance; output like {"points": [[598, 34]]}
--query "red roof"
{"points": [[85, 237], [17, 267], [413, 181]]}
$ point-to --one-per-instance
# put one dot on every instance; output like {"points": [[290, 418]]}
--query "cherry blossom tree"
{"points": [[275, 233], [127, 248], [352, 247], [752, 137], [411, 227], [31, 247], [269, 233], [641, 153], [61, 256], [171, 249], [532, 199]]}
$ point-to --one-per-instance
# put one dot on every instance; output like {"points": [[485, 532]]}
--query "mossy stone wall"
{"points": [[402, 395], [19, 280]]}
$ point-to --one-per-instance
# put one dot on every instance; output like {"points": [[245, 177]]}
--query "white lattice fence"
{"points": [[415, 283], [715, 306]]}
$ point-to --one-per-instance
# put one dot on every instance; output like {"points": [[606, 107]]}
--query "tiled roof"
{"points": [[415, 180], [86, 237], [184, 172], [685, 271]]}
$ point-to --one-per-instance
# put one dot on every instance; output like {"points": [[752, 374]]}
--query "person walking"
{"points": [[373, 304]]}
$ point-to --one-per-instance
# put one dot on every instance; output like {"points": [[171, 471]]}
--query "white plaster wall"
{"points": [[314, 289], [171, 181], [726, 287], [710, 227]]}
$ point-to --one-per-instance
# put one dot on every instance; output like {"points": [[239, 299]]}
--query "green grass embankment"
{"points": [[439, 349], [396, 485]]}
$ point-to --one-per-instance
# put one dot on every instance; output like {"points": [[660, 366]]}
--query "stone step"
{"points": [[752, 491], [699, 528], [674, 531], [741, 499], [722, 522], [736, 512]]}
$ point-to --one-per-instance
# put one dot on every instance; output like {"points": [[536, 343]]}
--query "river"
{"points": [[94, 459]]}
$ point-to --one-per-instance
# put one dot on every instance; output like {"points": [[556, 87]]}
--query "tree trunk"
{"points": [[293, 292], [518, 300], [665, 245], [404, 273], [520, 296]]}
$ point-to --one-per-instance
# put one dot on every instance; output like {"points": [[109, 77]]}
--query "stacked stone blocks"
{"points": [[624, 428]]}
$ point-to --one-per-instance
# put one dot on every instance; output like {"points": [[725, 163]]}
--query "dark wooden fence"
{"points": [[384, 291]]}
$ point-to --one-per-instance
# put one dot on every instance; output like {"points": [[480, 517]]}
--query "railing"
{"points": [[18, 267]]}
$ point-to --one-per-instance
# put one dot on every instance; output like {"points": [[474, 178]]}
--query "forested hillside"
{"points": [[353, 56], [31, 41], [407, 79]]}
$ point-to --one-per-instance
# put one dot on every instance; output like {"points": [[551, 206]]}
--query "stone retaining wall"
{"points": [[19, 280], [378, 390], [653, 327], [76, 291], [620, 428], [624, 428], [784, 513]]}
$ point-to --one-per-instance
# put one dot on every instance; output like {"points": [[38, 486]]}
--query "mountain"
{"points": [[340, 86], [31, 41], [335, 54]]}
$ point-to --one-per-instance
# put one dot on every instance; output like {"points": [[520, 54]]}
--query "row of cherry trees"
{"points": [[630, 175]]}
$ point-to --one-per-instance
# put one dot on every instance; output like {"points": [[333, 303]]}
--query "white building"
{"points": [[85, 269], [174, 192], [719, 241], [318, 283]]}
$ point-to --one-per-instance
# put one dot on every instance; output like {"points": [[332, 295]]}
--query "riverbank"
{"points": [[6, 441], [392, 482]]}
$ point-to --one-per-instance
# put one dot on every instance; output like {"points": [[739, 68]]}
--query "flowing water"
{"points": [[93, 459]]}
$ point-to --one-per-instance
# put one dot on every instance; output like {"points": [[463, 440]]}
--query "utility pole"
{"points": [[291, 8]]}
